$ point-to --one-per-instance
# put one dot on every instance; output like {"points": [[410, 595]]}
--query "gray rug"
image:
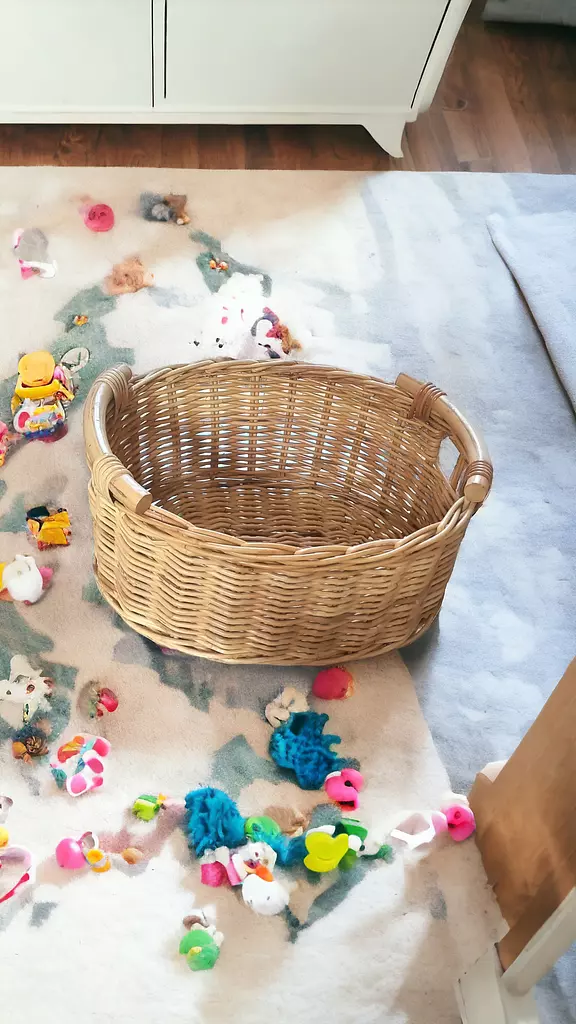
{"points": [[381, 273], [540, 250]]}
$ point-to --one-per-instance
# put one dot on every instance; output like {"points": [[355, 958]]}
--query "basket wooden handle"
{"points": [[106, 389], [478, 472]]}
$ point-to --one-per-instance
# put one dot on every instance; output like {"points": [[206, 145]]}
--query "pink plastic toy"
{"points": [[344, 787], [70, 852], [422, 827], [98, 216], [85, 762], [334, 683]]}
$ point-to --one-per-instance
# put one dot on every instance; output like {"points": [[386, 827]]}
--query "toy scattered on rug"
{"points": [[84, 757], [201, 944], [253, 860], [343, 788], [25, 687], [290, 821], [76, 320], [73, 854], [300, 745], [277, 331], [334, 683], [288, 702], [101, 701], [48, 527], [340, 845], [22, 580], [30, 742], [212, 820], [31, 248], [6, 803], [97, 216], [42, 391], [21, 861], [146, 807], [419, 827], [154, 206], [128, 276], [7, 438]]}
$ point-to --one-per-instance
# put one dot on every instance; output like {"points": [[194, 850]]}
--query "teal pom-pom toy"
{"points": [[301, 746]]}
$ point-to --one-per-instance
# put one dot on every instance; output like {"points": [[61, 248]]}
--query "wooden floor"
{"points": [[507, 102]]}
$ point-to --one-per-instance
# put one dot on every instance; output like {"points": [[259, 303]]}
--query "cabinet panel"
{"points": [[75, 54], [297, 54]]}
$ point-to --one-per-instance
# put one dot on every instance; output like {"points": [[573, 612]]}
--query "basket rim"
{"points": [[111, 477]]}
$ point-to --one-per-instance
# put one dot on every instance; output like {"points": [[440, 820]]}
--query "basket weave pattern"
{"points": [[299, 512]]}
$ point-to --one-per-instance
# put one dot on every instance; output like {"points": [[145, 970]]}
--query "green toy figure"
{"points": [[201, 946], [146, 807]]}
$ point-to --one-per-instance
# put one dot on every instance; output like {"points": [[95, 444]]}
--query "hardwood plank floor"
{"points": [[506, 102]]}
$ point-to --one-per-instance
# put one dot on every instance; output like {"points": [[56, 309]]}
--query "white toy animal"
{"points": [[26, 690], [23, 579]]}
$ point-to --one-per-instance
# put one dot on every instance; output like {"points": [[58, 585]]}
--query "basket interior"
{"points": [[302, 459]]}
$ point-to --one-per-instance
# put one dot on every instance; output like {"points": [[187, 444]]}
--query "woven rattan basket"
{"points": [[276, 512]]}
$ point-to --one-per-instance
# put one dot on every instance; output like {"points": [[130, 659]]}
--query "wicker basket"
{"points": [[276, 512]]}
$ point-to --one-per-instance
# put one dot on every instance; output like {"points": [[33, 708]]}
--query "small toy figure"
{"points": [[201, 946], [22, 580], [146, 807], [219, 265], [71, 853], [48, 527], [41, 389], [129, 276], [419, 827], [87, 772], [102, 701], [97, 216], [26, 687], [276, 330], [29, 744], [343, 788], [6, 439], [31, 248], [335, 683], [263, 893], [285, 704], [153, 206]]}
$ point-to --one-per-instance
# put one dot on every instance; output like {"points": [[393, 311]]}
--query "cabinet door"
{"points": [[297, 54], [68, 55]]}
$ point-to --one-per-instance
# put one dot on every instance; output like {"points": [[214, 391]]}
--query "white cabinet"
{"points": [[297, 55], [74, 56], [371, 62]]}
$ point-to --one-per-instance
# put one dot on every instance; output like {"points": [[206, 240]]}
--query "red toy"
{"points": [[98, 216], [103, 700], [344, 787], [334, 683]]}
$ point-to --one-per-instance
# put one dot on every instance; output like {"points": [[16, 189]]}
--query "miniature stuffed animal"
{"points": [[31, 248], [22, 580], [263, 893], [128, 276], [287, 703], [201, 946], [154, 206]]}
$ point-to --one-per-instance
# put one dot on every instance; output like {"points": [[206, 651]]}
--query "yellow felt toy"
{"points": [[324, 851]]}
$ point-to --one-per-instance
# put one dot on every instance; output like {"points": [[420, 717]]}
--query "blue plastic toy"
{"points": [[212, 820], [300, 745]]}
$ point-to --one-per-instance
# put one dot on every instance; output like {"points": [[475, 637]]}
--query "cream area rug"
{"points": [[369, 272]]}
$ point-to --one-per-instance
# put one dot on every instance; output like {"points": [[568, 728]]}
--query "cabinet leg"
{"points": [[387, 130]]}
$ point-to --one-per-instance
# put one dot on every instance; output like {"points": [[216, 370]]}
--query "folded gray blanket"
{"points": [[540, 251]]}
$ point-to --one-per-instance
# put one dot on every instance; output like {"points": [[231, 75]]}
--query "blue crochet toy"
{"points": [[300, 745], [212, 820]]}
